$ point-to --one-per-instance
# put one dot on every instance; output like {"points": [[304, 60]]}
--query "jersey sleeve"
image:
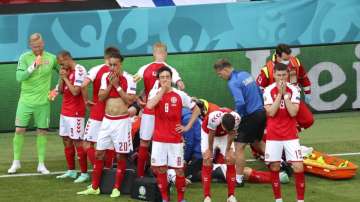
{"points": [[93, 72], [214, 120], [175, 75], [295, 94], [23, 70], [268, 100], [304, 80], [131, 87], [237, 120], [262, 80], [80, 74], [186, 100], [104, 83], [153, 92], [141, 71]]}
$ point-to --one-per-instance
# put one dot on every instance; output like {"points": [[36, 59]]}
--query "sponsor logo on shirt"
{"points": [[154, 73], [46, 62], [248, 81]]}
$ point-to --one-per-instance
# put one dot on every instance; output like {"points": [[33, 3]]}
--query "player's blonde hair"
{"points": [[35, 37], [159, 47]]}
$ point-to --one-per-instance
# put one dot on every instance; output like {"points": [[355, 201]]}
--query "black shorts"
{"points": [[252, 127]]}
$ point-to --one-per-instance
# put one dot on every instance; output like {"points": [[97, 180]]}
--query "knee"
{"points": [[275, 167], [99, 155], [144, 143], [179, 172], [20, 131], [298, 167], [159, 169]]}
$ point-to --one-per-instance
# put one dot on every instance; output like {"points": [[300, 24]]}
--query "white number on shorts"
{"points": [[166, 107], [298, 154]]}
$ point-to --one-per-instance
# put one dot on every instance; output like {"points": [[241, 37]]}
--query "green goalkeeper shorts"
{"points": [[40, 113]]}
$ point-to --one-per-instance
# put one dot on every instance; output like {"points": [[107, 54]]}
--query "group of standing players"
{"points": [[270, 102]]}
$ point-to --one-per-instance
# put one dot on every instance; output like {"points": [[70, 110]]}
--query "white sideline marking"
{"points": [[61, 172]]}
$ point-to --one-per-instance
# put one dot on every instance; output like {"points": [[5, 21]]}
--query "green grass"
{"points": [[332, 133]]}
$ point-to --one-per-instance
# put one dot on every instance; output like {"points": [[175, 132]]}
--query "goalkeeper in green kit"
{"points": [[34, 72]]}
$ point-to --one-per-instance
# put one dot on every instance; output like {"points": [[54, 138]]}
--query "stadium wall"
{"points": [[334, 72]]}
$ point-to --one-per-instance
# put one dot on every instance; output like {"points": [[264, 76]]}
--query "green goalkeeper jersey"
{"points": [[35, 84]]}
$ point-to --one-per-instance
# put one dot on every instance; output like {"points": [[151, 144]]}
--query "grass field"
{"points": [[331, 133]]}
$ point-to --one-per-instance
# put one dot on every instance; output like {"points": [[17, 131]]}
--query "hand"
{"points": [[181, 129], [228, 155], [165, 88], [89, 103], [208, 154], [282, 90], [180, 84], [307, 98], [136, 78], [52, 94], [114, 79], [141, 102], [287, 96], [63, 73], [38, 61]]}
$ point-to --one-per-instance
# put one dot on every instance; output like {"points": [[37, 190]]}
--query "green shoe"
{"points": [[115, 193], [68, 174], [284, 178], [82, 178], [89, 191]]}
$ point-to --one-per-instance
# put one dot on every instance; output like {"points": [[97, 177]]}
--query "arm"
{"points": [[238, 98], [75, 90], [61, 86], [230, 139], [152, 102], [211, 140], [126, 97], [84, 91], [272, 109], [104, 88], [23, 71], [194, 116], [176, 79], [292, 108], [262, 81]]}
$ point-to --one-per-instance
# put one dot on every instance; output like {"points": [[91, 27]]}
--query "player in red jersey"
{"points": [[281, 101], [218, 132], [297, 76], [72, 115], [167, 143], [118, 91], [97, 108], [148, 73]]}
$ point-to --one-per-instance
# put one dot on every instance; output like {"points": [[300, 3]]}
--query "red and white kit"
{"points": [[281, 129], [115, 131], [213, 122], [167, 148], [73, 107]]}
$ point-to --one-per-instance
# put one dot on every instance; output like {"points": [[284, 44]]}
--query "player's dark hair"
{"points": [[282, 48], [222, 63], [280, 67], [228, 121], [64, 53], [163, 69], [116, 55], [112, 50]]}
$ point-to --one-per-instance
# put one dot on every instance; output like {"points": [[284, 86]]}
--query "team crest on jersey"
{"points": [[154, 73], [46, 62], [173, 100]]}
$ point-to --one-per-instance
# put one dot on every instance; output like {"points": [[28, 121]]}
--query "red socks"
{"points": [[230, 179], [82, 159], [142, 158], [260, 176], [163, 185], [276, 184], [120, 173], [180, 187], [70, 157], [91, 154], [109, 158], [206, 179], [300, 185], [96, 175]]}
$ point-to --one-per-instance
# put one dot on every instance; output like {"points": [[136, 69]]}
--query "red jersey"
{"points": [[74, 106], [282, 126], [126, 82], [213, 121], [97, 111], [148, 73], [168, 115], [297, 75]]}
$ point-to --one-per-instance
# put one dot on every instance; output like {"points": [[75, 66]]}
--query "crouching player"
{"points": [[281, 100], [72, 115], [118, 92], [218, 131], [167, 145]]}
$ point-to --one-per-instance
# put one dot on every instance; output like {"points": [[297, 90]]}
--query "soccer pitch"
{"points": [[332, 133]]}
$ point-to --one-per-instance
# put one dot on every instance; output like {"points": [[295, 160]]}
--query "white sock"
{"points": [[300, 200], [279, 200], [239, 178]]}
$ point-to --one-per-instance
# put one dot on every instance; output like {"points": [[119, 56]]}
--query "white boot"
{"points": [[231, 199], [14, 166], [42, 169], [207, 199]]}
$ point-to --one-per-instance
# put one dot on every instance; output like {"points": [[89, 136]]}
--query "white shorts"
{"points": [[92, 129], [115, 132], [72, 127], [274, 150], [167, 154], [147, 126], [219, 142]]}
